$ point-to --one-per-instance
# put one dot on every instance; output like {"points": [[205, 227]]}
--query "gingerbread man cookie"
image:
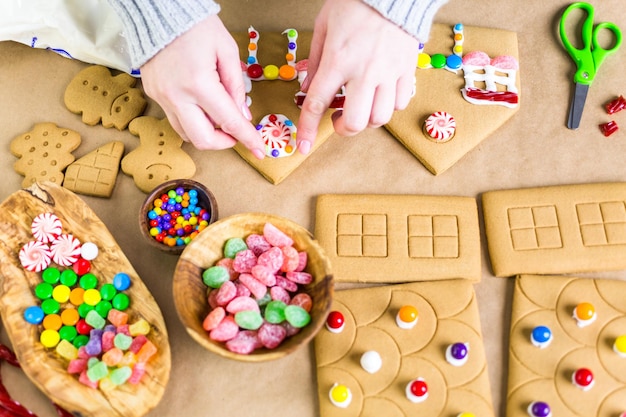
{"points": [[99, 96], [159, 157]]}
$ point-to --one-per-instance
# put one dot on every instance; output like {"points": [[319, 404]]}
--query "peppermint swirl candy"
{"points": [[65, 250], [46, 227], [279, 135], [35, 256], [440, 126]]}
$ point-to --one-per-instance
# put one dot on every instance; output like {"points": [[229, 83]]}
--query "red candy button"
{"points": [[335, 320], [583, 377]]}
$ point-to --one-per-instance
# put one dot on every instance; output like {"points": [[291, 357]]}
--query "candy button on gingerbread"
{"points": [[585, 314], [539, 409], [583, 379], [417, 390], [371, 361], [541, 336], [335, 322], [440, 127], [619, 346], [340, 395], [407, 317], [457, 354]]}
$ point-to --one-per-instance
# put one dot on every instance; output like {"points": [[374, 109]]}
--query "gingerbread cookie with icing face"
{"points": [[273, 64], [159, 156], [467, 86]]}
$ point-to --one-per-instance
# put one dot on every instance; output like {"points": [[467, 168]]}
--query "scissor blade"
{"points": [[577, 105]]}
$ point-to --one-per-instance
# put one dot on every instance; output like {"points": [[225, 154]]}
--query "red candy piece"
{"points": [[255, 71], [291, 259], [226, 293], [82, 266], [583, 377], [82, 327], [244, 261], [257, 244], [264, 274], [271, 335], [335, 320], [226, 330], [303, 278], [213, 319], [244, 343], [242, 304], [609, 128], [275, 236], [256, 287], [419, 388], [616, 105], [280, 294], [286, 284], [303, 300], [272, 258]]}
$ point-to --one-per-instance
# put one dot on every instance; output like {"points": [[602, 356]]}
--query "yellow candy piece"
{"points": [[270, 72], [141, 326], [423, 61], [129, 359], [466, 415], [620, 344], [61, 293], [49, 338], [105, 384], [340, 393], [92, 297], [67, 350]]}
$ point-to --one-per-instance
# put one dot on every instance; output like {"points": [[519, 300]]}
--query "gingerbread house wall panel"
{"points": [[399, 238], [556, 230]]}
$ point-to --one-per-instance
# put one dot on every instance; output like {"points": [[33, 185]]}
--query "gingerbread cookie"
{"points": [[377, 365], [95, 173], [556, 230], [410, 238], [476, 92], [100, 96], [44, 153], [159, 156], [567, 347], [272, 68]]}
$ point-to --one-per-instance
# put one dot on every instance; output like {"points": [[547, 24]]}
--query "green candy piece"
{"points": [[248, 319], [122, 341], [92, 361], [84, 309], [119, 376], [97, 371], [215, 276], [275, 312], [438, 61], [234, 245], [68, 333], [44, 290], [88, 281], [95, 320], [69, 278], [264, 300], [297, 316], [107, 292], [103, 308], [80, 340], [120, 301], [51, 275], [50, 306]]}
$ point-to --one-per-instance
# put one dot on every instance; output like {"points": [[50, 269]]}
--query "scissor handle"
{"points": [[590, 56]]}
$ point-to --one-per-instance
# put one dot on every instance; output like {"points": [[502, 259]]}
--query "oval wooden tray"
{"points": [[43, 366]]}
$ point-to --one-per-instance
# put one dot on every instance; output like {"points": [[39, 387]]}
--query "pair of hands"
{"points": [[197, 78]]}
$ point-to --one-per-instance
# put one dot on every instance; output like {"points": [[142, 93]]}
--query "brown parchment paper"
{"points": [[533, 148]]}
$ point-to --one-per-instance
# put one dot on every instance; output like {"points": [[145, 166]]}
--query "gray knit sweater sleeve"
{"points": [[414, 16], [150, 25]]}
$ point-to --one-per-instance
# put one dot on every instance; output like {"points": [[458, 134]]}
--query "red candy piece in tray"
{"points": [[609, 128]]}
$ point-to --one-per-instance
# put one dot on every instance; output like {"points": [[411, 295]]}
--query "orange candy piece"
{"points": [[585, 311], [408, 314]]}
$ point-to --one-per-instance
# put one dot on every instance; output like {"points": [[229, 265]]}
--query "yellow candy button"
{"points": [[49, 338], [620, 345], [270, 72], [92, 297], [423, 61], [61, 293]]}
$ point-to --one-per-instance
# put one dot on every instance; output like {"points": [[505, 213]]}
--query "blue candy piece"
{"points": [[34, 315], [454, 62], [121, 281], [541, 334]]}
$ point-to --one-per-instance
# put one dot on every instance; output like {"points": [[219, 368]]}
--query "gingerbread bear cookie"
{"points": [[100, 96], [44, 153], [159, 157]]}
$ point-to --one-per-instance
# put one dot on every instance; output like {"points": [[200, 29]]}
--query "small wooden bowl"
{"points": [[205, 200], [190, 292]]}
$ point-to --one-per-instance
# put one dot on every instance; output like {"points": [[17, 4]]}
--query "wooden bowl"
{"points": [[190, 292], [205, 200], [43, 366]]}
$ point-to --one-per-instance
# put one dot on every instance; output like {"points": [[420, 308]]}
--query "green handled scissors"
{"points": [[588, 58]]}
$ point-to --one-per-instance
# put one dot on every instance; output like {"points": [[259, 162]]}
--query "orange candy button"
{"points": [[585, 311]]}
